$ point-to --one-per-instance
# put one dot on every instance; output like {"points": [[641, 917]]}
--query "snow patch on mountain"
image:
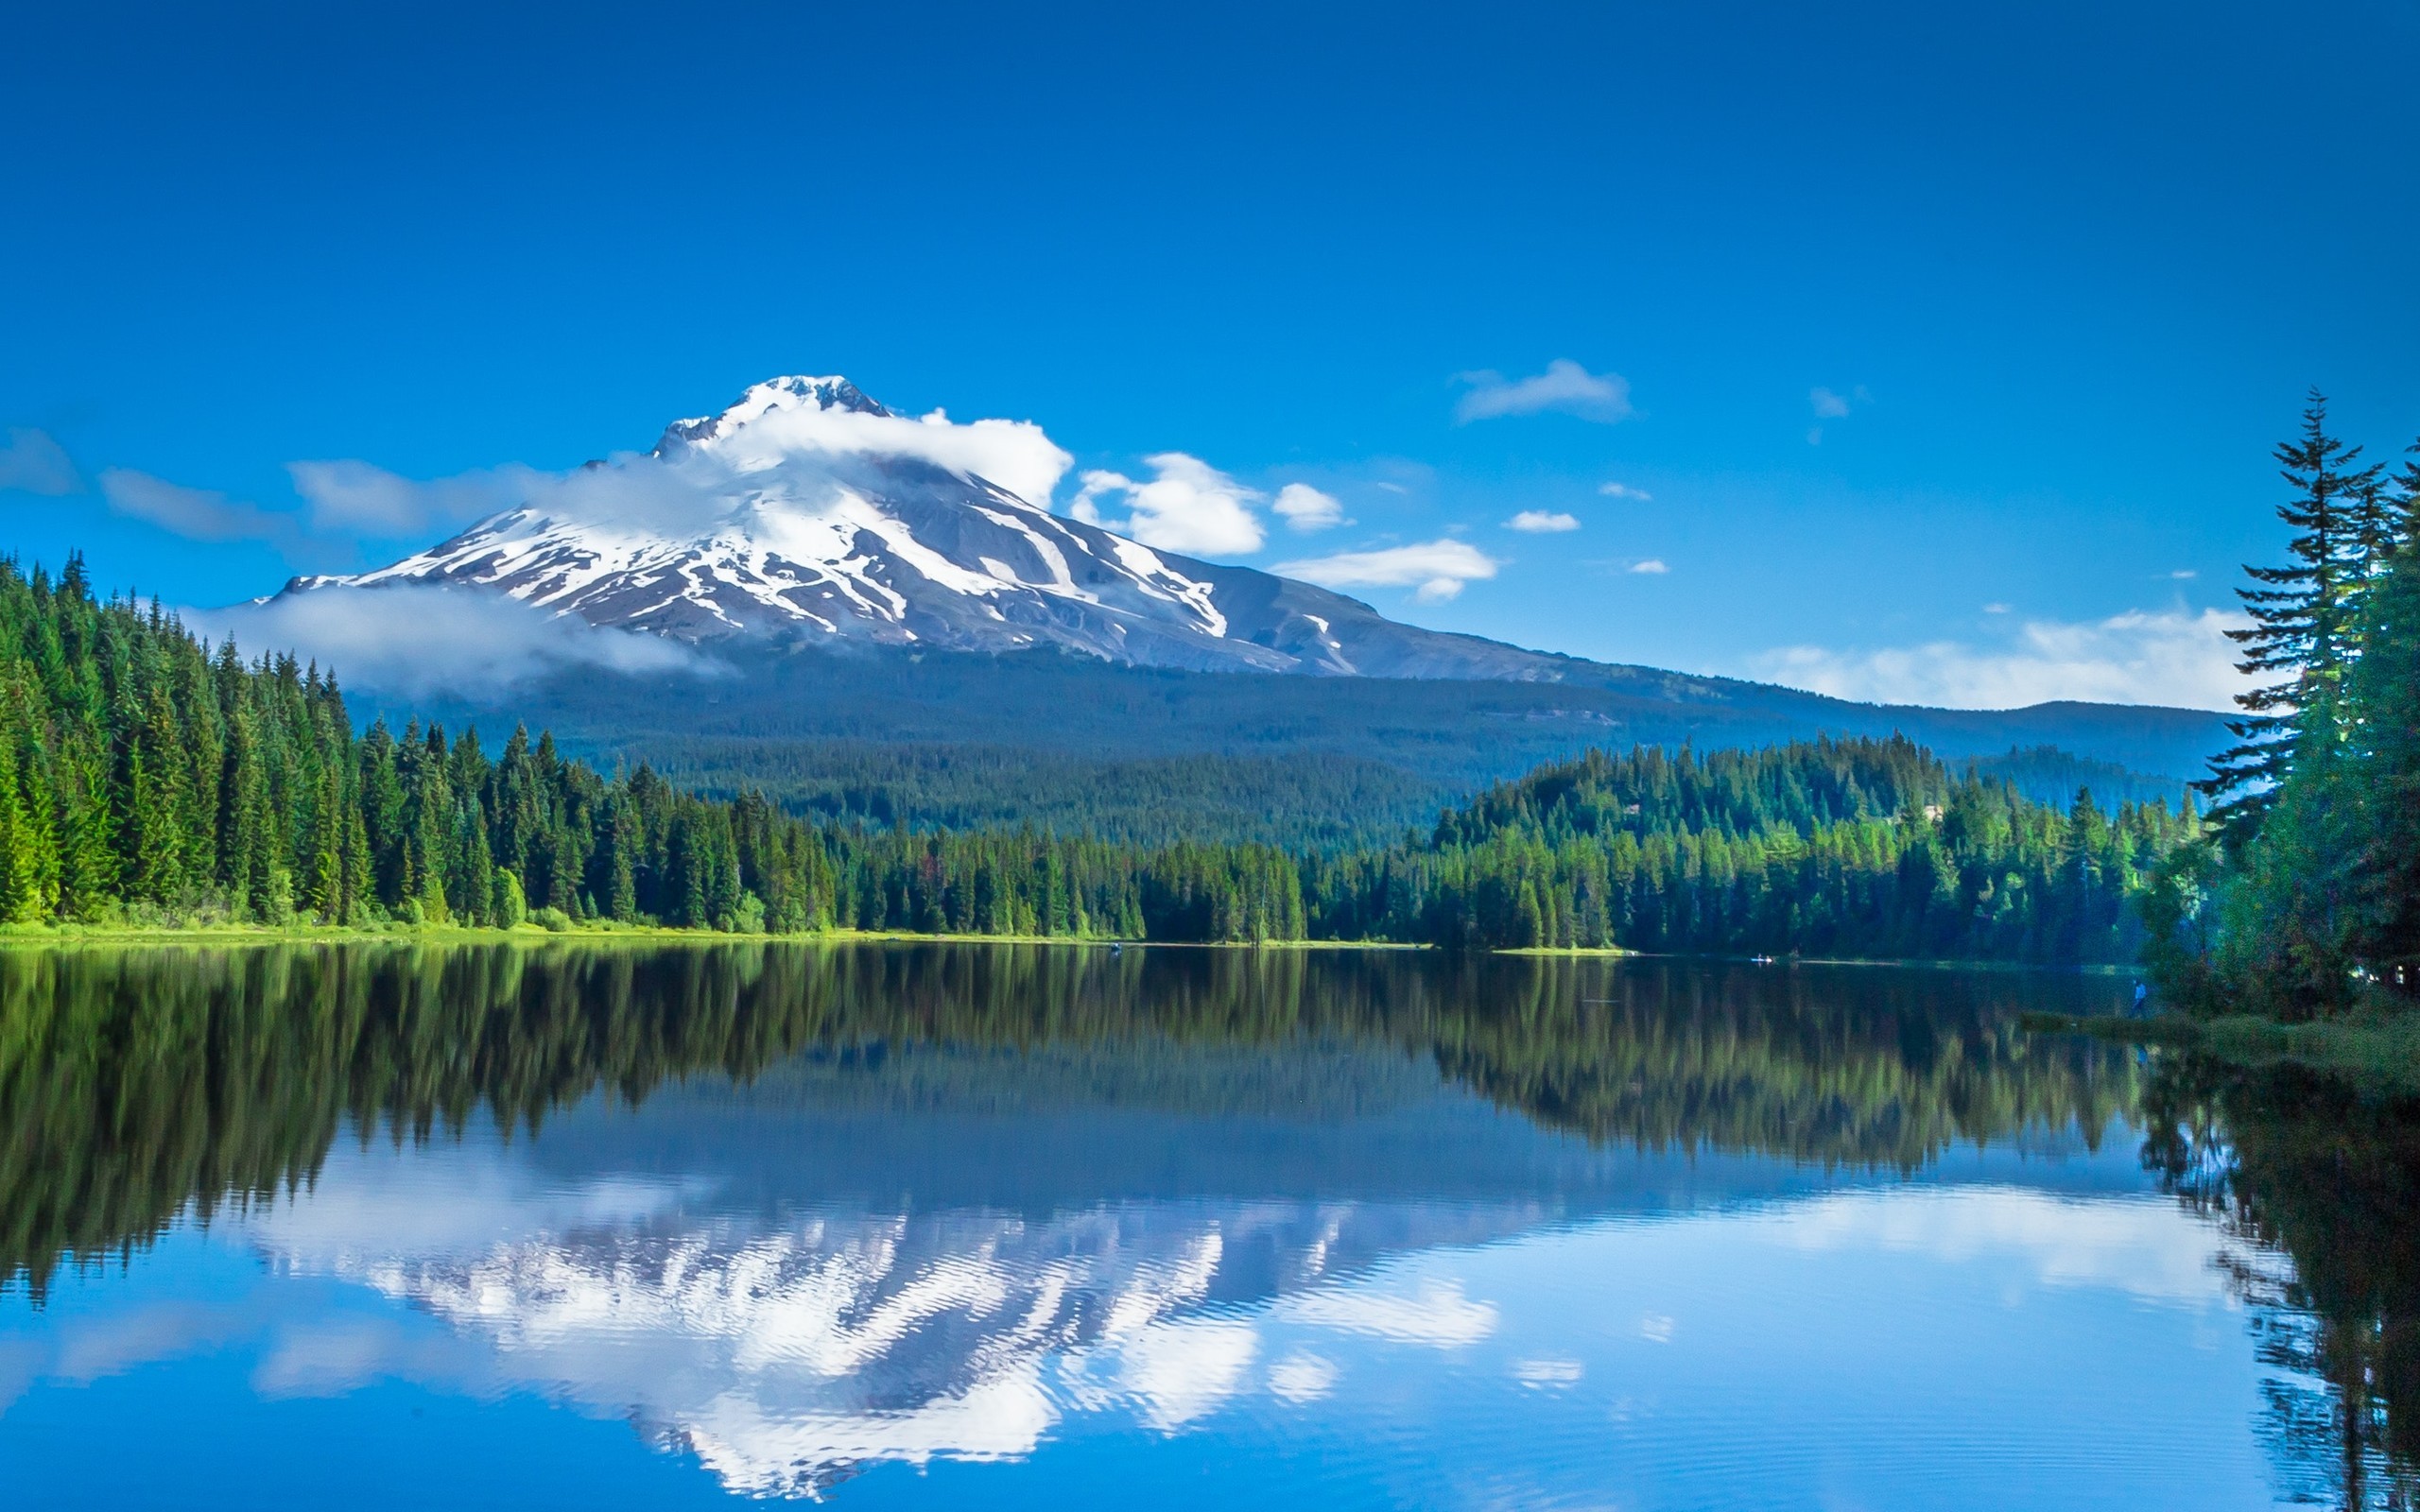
{"points": [[805, 511]]}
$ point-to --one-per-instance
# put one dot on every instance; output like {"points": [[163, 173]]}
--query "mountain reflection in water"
{"points": [[803, 1210]]}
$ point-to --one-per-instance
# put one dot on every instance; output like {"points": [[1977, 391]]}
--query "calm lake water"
{"points": [[969, 1226]]}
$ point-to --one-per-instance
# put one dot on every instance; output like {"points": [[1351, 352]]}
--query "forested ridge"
{"points": [[1328, 801], [1857, 848], [153, 778]]}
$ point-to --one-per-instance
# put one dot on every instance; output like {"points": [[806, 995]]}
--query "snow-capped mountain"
{"points": [[808, 511]]}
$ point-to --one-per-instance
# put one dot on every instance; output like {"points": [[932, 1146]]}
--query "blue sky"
{"points": [[1939, 344]]}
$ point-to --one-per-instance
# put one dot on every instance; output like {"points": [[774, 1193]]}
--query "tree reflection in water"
{"points": [[140, 1085], [2318, 1185]]}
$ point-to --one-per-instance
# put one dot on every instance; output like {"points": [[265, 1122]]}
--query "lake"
{"points": [[950, 1226]]}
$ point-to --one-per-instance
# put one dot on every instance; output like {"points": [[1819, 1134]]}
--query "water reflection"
{"points": [[803, 1213], [2318, 1183], [135, 1083]]}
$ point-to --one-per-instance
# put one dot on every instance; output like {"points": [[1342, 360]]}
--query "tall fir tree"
{"points": [[2301, 629]]}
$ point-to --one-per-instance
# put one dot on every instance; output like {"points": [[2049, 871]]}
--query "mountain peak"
{"points": [[807, 511], [774, 396]]}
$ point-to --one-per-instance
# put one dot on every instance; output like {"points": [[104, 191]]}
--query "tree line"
{"points": [[2304, 897], [147, 777]]}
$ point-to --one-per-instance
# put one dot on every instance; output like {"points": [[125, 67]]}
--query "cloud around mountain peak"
{"points": [[1186, 506]]}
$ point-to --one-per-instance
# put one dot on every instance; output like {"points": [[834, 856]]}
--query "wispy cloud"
{"points": [[2175, 657], [31, 462], [1623, 491], [1306, 508], [1831, 405], [1565, 385], [414, 637], [199, 514], [1438, 568], [1541, 522], [356, 498], [1188, 505], [1652, 566]]}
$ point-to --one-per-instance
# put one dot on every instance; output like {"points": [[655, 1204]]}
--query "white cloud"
{"points": [[1831, 405], [2184, 574], [2175, 658], [1623, 491], [1996, 608], [1438, 1315], [1548, 1373], [2140, 1246], [1185, 1369], [1540, 521], [196, 514], [356, 498], [806, 444], [1013, 453], [1652, 566], [1188, 506], [1306, 508], [1565, 385], [1302, 1377], [412, 638], [31, 462], [1438, 567]]}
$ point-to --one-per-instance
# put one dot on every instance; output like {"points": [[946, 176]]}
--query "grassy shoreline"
{"points": [[51, 935], [2375, 1049]]}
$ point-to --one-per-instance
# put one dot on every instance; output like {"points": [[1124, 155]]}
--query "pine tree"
{"points": [[2384, 787], [2301, 629], [325, 878]]}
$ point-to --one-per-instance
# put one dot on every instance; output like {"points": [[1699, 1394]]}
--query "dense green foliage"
{"points": [[2307, 901]]}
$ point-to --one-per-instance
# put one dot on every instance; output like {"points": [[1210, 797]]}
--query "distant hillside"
{"points": [[2049, 774], [967, 741]]}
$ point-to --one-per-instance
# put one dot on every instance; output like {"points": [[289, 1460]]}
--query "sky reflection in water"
{"points": [[1191, 1265]]}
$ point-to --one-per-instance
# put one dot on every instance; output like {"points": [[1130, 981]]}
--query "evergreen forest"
{"points": [[153, 778]]}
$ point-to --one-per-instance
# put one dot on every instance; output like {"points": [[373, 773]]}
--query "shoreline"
{"points": [[45, 936], [2378, 1050]]}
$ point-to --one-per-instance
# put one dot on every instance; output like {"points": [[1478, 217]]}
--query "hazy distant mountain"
{"points": [[789, 517]]}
